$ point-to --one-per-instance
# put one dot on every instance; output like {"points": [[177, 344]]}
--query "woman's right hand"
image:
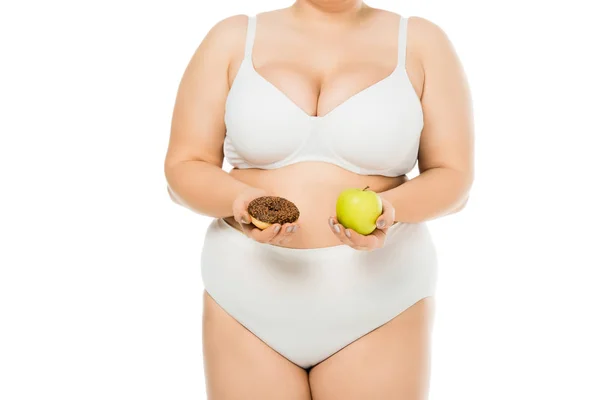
{"points": [[275, 234]]}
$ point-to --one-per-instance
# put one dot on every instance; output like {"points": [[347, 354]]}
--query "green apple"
{"points": [[359, 209]]}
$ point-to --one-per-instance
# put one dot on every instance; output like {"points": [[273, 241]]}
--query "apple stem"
{"points": [[365, 188]]}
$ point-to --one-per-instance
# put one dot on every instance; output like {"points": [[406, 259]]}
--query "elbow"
{"points": [[169, 174], [466, 188], [168, 169], [172, 195], [461, 206]]}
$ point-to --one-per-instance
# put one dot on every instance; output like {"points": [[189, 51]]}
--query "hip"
{"points": [[407, 259]]}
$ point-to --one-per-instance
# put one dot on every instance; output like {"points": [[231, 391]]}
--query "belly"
{"points": [[314, 187]]}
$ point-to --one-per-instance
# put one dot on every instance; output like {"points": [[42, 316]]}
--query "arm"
{"points": [[193, 164], [446, 147]]}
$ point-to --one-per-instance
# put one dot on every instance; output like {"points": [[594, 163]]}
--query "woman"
{"points": [[305, 102]]}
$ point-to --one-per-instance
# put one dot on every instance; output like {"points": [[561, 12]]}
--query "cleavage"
{"points": [[318, 94]]}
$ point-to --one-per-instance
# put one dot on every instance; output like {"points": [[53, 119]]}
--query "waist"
{"points": [[406, 245], [314, 187]]}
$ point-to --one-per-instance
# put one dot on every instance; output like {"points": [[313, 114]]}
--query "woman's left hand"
{"points": [[375, 240]]}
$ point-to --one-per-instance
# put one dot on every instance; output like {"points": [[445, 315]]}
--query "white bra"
{"points": [[374, 132]]}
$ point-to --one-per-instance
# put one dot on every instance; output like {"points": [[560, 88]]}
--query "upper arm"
{"points": [[447, 136], [197, 126]]}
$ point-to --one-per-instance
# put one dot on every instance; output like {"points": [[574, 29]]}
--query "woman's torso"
{"points": [[320, 68]]}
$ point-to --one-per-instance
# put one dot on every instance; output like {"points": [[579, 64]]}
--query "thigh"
{"points": [[391, 362], [238, 365]]}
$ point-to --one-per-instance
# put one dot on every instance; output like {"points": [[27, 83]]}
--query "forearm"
{"points": [[432, 194], [203, 188]]}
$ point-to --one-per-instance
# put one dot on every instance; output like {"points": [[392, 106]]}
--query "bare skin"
{"points": [[392, 361], [238, 365]]}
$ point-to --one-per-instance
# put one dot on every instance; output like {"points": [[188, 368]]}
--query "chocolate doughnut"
{"points": [[268, 210]]}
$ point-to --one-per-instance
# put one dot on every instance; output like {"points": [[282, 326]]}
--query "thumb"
{"points": [[240, 212], [245, 217], [386, 219], [381, 221]]}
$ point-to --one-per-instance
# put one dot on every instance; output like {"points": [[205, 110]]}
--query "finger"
{"points": [[288, 229], [342, 235], [338, 230], [245, 217], [283, 241], [266, 235], [386, 219], [345, 235], [281, 234], [357, 240], [373, 241], [286, 234], [240, 214], [336, 227], [351, 237], [247, 229], [240, 209], [332, 221], [378, 238]]}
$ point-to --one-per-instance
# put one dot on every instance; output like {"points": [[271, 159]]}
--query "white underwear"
{"points": [[307, 304]]}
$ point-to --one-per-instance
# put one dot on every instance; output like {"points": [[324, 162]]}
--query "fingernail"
{"points": [[331, 222], [380, 223], [277, 228], [289, 229], [336, 228], [348, 232], [295, 228]]}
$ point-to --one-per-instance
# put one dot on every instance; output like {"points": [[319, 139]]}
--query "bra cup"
{"points": [[380, 132], [261, 132]]}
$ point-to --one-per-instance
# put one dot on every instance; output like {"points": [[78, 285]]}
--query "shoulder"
{"points": [[422, 33], [223, 42], [227, 33], [428, 39], [424, 29]]}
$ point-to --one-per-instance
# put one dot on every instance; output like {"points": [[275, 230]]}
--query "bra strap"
{"points": [[403, 28], [251, 30]]}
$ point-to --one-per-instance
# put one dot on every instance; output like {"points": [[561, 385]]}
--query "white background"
{"points": [[100, 289]]}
